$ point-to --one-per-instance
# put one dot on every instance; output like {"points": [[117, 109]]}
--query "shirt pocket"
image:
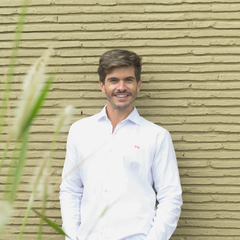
{"points": [[132, 159]]}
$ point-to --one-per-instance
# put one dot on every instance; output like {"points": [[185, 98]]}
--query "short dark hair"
{"points": [[118, 58]]}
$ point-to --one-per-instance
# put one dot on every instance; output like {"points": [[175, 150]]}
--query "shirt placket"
{"points": [[107, 183]]}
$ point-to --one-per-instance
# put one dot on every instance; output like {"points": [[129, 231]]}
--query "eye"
{"points": [[113, 80], [129, 80]]}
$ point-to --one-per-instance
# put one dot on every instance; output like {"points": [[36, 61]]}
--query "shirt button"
{"points": [[110, 150], [105, 190]]}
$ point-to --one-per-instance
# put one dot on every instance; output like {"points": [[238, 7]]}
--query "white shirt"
{"points": [[118, 170]]}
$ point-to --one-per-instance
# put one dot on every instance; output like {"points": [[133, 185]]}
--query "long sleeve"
{"points": [[168, 187], [71, 190]]}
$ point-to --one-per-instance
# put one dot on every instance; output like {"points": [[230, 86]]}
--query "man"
{"points": [[114, 159]]}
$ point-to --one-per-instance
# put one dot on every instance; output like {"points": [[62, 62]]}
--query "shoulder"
{"points": [[155, 134], [152, 127], [84, 124]]}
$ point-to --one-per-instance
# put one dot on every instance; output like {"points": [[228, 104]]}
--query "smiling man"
{"points": [[113, 161]]}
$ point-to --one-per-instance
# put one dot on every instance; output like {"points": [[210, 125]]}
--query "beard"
{"points": [[110, 98]]}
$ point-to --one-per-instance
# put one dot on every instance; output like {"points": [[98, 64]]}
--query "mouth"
{"points": [[121, 95]]}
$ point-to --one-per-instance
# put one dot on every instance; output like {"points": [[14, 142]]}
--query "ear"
{"points": [[102, 86], [139, 85]]}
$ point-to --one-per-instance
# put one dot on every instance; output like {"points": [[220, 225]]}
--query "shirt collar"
{"points": [[133, 116]]}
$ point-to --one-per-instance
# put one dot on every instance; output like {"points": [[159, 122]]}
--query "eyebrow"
{"points": [[114, 78]]}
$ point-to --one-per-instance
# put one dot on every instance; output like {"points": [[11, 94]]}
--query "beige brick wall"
{"points": [[190, 51]]}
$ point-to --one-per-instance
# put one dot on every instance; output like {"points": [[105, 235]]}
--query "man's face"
{"points": [[121, 88]]}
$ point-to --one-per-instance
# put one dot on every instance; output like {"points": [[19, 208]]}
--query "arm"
{"points": [[71, 190], [168, 187]]}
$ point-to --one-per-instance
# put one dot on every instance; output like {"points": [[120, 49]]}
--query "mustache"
{"points": [[122, 92]]}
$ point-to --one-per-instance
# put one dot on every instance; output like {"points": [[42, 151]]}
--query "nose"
{"points": [[121, 86]]}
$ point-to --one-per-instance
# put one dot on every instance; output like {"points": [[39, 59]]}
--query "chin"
{"points": [[122, 106]]}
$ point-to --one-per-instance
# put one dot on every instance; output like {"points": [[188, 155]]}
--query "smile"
{"points": [[121, 96]]}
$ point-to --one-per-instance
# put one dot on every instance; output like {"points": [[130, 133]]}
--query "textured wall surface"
{"points": [[190, 51]]}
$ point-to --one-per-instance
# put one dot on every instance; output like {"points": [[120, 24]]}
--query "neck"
{"points": [[117, 115]]}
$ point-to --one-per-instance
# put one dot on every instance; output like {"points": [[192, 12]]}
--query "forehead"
{"points": [[123, 72]]}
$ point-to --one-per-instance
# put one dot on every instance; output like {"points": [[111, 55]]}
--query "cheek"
{"points": [[109, 89]]}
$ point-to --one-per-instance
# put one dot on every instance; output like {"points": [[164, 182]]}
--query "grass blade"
{"points": [[11, 171], [20, 166], [17, 39], [43, 208], [12, 61], [5, 212], [34, 191], [30, 203], [102, 214], [51, 224], [3, 157]]}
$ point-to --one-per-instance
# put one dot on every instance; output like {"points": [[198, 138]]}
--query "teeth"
{"points": [[121, 96]]}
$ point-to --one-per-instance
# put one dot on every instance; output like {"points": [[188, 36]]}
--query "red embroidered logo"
{"points": [[136, 146]]}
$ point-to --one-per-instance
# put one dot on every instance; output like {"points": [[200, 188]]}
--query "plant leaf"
{"points": [[51, 224], [20, 166], [30, 203], [102, 214], [12, 62]]}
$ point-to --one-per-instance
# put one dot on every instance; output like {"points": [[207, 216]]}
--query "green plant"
{"points": [[35, 89]]}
